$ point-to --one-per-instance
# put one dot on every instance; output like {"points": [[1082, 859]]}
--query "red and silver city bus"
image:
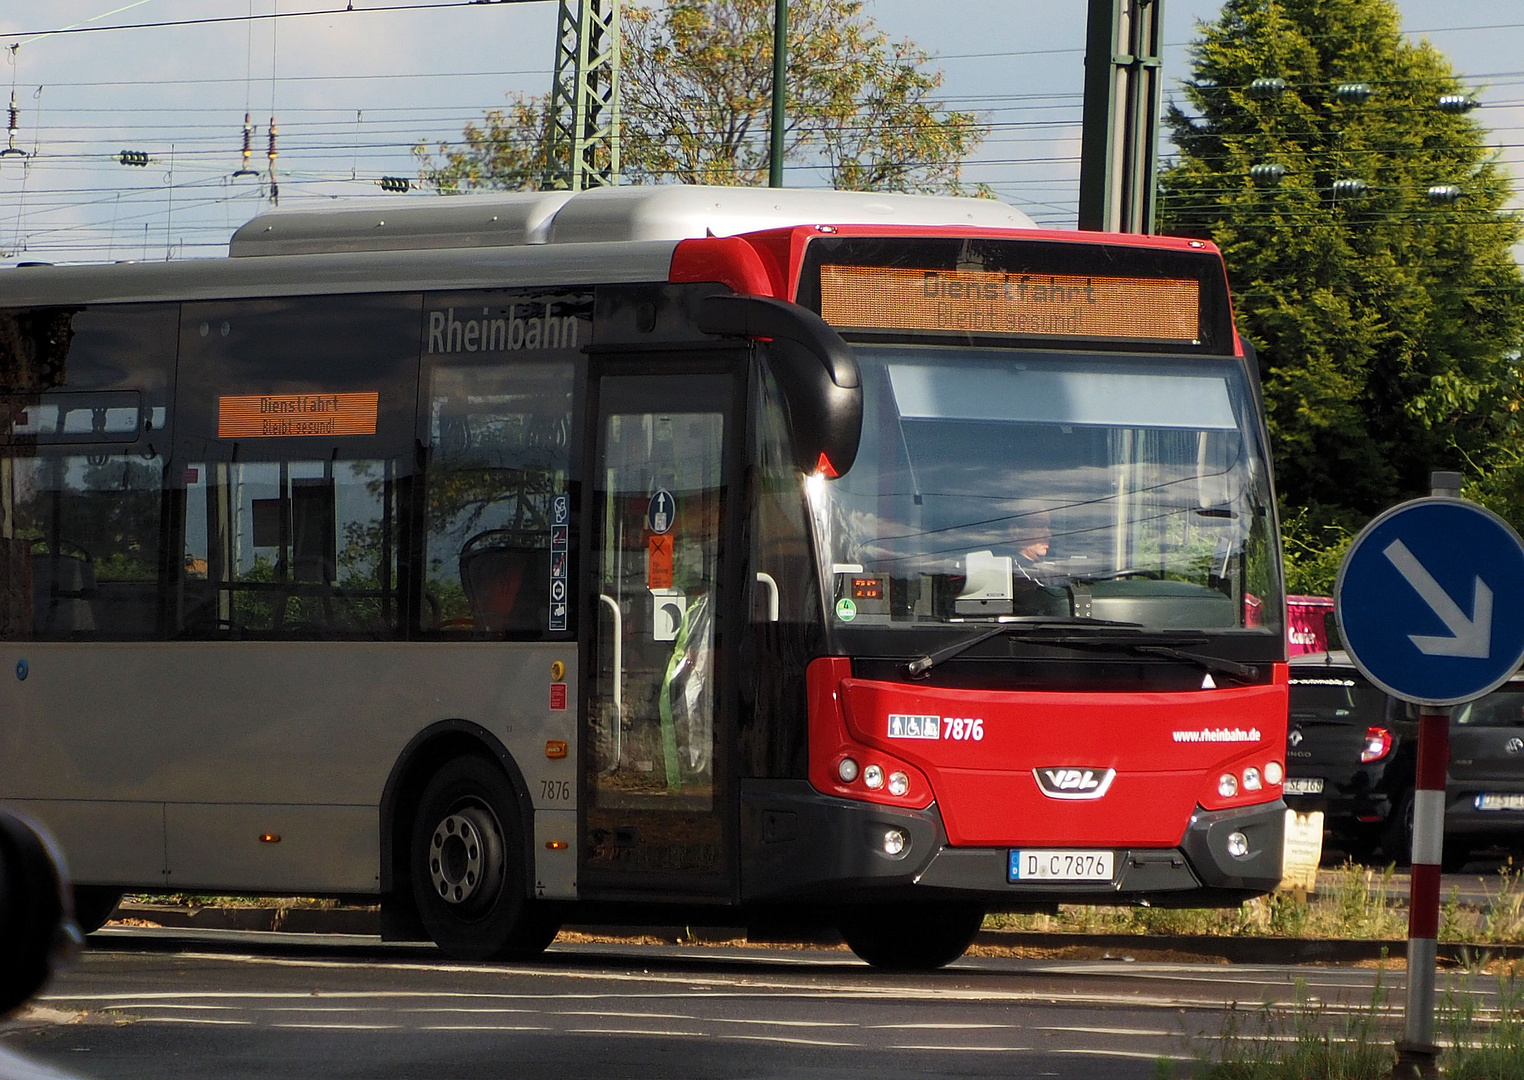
{"points": [[712, 556]]}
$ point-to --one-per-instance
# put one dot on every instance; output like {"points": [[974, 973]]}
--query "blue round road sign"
{"points": [[1430, 600]]}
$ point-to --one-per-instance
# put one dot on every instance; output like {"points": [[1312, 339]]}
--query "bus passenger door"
{"points": [[658, 800]]}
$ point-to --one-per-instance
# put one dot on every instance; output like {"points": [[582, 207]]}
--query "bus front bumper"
{"points": [[800, 846]]}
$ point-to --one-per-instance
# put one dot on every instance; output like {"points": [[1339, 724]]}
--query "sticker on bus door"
{"points": [[560, 548]]}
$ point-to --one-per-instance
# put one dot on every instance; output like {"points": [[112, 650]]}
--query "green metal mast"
{"points": [[1119, 159], [583, 150], [780, 94]]}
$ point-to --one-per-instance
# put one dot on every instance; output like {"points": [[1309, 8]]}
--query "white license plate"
{"points": [[1050, 865], [1500, 802], [1303, 785]]}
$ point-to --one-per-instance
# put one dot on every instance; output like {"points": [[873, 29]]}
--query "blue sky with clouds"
{"points": [[353, 91]]}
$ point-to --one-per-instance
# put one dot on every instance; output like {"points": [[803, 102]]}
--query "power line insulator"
{"points": [[398, 184], [1443, 194], [248, 149], [1267, 173], [11, 149], [1349, 189], [1266, 89], [133, 157], [1352, 93], [1456, 104]]}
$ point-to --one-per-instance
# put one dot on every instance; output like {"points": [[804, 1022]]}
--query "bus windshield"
{"points": [[1053, 485]]}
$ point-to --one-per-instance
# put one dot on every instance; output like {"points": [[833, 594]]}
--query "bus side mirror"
{"points": [[816, 372], [38, 934]]}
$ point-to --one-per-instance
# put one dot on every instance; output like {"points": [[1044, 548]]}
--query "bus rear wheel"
{"points": [[467, 860], [911, 937]]}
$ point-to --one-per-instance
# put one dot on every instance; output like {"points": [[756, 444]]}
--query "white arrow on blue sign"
{"points": [[1430, 600]]}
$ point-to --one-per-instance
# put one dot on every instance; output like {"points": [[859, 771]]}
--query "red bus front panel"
{"points": [[1120, 768]]}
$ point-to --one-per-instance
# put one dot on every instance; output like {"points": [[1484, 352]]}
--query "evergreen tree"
{"points": [[1387, 323], [696, 98]]}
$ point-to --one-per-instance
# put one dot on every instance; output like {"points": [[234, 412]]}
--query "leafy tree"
{"points": [[696, 97], [1387, 325]]}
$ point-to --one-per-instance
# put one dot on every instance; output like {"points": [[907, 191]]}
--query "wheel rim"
{"points": [[464, 862]]}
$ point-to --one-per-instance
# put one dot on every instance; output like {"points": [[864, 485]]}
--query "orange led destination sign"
{"points": [[977, 301], [285, 416]]}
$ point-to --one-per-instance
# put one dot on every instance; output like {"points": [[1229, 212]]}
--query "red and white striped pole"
{"points": [[1417, 1051]]}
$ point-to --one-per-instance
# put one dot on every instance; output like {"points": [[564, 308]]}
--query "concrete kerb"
{"points": [[1121, 947]]}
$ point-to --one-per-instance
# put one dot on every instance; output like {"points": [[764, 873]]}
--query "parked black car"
{"points": [[1346, 755], [1351, 752]]}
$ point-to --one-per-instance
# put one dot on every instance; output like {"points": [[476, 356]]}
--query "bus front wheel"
{"points": [[467, 859], [911, 937]]}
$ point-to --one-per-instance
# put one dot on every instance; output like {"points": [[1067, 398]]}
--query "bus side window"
{"points": [[499, 454], [296, 426], [83, 435], [783, 578]]}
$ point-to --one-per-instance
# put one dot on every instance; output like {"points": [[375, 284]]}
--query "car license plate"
{"points": [[1303, 785], [1492, 801], [1050, 865]]}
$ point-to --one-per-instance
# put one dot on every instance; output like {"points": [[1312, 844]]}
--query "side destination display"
{"points": [[977, 301]]}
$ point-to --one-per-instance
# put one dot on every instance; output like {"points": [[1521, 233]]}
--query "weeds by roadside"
{"points": [[1482, 1048], [1352, 902]]}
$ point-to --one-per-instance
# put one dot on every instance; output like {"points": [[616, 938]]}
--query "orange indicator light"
{"points": [[557, 845], [269, 838], [555, 748]]}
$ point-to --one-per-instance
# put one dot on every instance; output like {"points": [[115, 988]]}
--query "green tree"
{"points": [[1387, 325], [695, 100]]}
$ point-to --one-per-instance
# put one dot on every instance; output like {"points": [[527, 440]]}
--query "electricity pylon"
{"points": [[583, 128]]}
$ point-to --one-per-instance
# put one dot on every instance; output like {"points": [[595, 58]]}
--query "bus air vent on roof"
{"points": [[457, 221], [602, 215]]}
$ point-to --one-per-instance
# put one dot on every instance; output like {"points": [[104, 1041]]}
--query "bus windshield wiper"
{"points": [[919, 667], [1095, 638]]}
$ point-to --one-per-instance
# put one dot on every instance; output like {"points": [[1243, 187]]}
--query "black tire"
{"points": [[467, 866], [1397, 840], [1455, 855], [93, 905], [911, 937]]}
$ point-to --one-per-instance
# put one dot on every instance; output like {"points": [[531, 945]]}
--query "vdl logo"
{"points": [[1068, 783]]}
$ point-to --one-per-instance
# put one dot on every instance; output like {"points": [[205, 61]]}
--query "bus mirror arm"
{"points": [[816, 371]]}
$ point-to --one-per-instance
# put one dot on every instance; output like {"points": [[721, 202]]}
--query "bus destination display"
{"points": [[284, 416], [1043, 305]]}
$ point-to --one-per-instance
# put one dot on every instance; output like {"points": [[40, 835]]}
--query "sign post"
{"points": [[1402, 597]]}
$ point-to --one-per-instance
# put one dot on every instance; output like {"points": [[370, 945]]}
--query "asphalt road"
{"points": [[232, 1005]]}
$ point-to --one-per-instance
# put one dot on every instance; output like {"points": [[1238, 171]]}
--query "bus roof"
{"points": [[551, 239], [658, 212]]}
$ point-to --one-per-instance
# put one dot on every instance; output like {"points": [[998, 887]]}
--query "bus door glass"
{"points": [[659, 483]]}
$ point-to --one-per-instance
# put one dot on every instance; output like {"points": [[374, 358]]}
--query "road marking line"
{"points": [[1081, 1052], [784, 1023], [343, 1027], [1111, 1031], [965, 1049], [482, 1027], [784, 1039], [186, 1020], [621, 1015], [939, 1027], [634, 1031]]}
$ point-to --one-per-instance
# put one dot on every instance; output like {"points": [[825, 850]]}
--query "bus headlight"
{"points": [[1274, 774], [1238, 845], [1227, 785], [847, 770], [899, 783], [894, 841], [1251, 779], [873, 776]]}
